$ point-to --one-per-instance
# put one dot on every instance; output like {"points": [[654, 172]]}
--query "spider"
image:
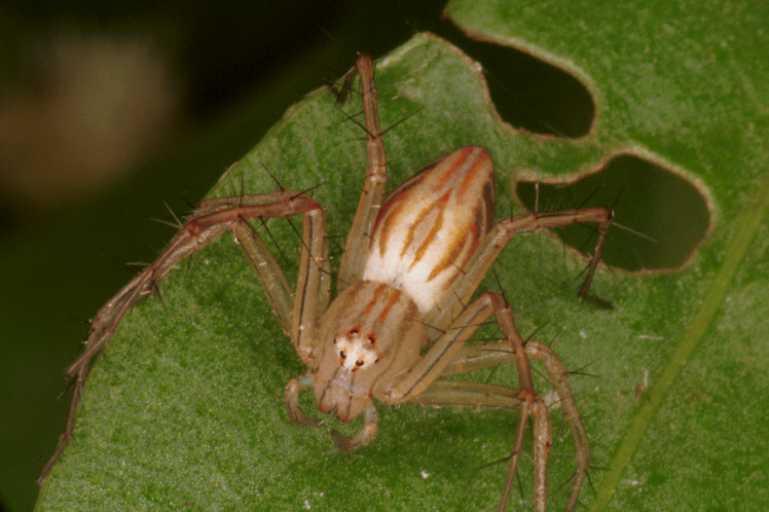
{"points": [[412, 260]]}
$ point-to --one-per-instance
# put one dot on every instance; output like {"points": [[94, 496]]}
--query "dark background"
{"points": [[111, 111]]}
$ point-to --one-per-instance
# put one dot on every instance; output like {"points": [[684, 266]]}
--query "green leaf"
{"points": [[184, 409]]}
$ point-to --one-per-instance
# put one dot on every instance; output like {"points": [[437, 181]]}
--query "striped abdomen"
{"points": [[431, 226]]}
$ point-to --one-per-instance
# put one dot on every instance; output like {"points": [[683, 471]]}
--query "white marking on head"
{"points": [[353, 352]]}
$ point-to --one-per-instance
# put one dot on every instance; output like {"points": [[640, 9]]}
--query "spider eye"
{"points": [[358, 363], [371, 339], [343, 354], [354, 332]]}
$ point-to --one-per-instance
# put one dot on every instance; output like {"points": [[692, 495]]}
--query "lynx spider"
{"points": [[412, 260]]}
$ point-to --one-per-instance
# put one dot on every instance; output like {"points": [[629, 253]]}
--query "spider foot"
{"points": [[363, 437], [295, 414]]}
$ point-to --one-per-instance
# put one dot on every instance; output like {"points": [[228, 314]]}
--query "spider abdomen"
{"points": [[432, 225]]}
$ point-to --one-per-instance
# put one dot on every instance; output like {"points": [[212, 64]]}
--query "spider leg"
{"points": [[471, 394], [268, 270], [478, 357], [430, 366], [532, 405], [476, 395], [448, 354], [356, 245], [364, 436], [345, 444], [293, 388], [208, 222], [473, 358], [543, 440], [298, 312], [558, 377], [498, 238]]}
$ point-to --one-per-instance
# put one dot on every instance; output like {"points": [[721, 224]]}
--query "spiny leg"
{"points": [[408, 387], [558, 377], [450, 344], [430, 366], [473, 394], [498, 238], [445, 350], [449, 347], [532, 406], [205, 225], [459, 393], [512, 465], [478, 357], [543, 440], [270, 274], [298, 312], [313, 286], [490, 355], [356, 245]]}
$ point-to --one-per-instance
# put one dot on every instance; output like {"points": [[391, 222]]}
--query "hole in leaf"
{"points": [[665, 214], [529, 93]]}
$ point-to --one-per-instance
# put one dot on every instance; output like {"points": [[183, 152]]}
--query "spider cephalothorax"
{"points": [[411, 261], [371, 332]]}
